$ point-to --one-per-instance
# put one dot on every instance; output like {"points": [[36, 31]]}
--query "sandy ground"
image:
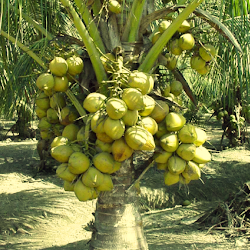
{"points": [[36, 213]]}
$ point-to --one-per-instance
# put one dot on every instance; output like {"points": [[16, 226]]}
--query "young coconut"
{"points": [[58, 66], [82, 192], [70, 131], [42, 101], [78, 163], [120, 150], [176, 165], [92, 177], [207, 52], [186, 151], [75, 65], [174, 47], [176, 88], [187, 134], [160, 111], [116, 108], [61, 83], [174, 121], [114, 128], [169, 142], [133, 99], [61, 153], [170, 178], [186, 41], [93, 102], [197, 63], [131, 117], [63, 172], [149, 105], [45, 81]]}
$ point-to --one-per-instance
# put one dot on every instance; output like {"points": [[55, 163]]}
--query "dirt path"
{"points": [[36, 213]]}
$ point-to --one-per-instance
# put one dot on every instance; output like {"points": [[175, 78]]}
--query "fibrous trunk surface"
{"points": [[118, 224]]}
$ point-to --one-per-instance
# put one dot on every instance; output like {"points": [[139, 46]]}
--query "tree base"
{"points": [[118, 224]]}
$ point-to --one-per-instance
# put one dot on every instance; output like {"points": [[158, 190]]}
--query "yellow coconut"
{"points": [[204, 70], [46, 134], [162, 166], [61, 153], [107, 184], [169, 142], [149, 105], [139, 138], [197, 63], [68, 186], [61, 83], [187, 134], [192, 171], [40, 112], [186, 41], [59, 140], [95, 193], [116, 167], [75, 65], [185, 26], [49, 92], [174, 47], [186, 151], [104, 137], [201, 137], [58, 66], [97, 122], [149, 124], [176, 88], [42, 101], [68, 115], [70, 131], [183, 180], [161, 156], [104, 162], [207, 52], [45, 81], [120, 150], [101, 146], [133, 99], [63, 172], [82, 192], [114, 6], [131, 117], [170, 178], [78, 163], [108, 61], [114, 128], [52, 116], [116, 108], [44, 124], [142, 81], [92, 177], [166, 90], [164, 25], [155, 37], [176, 165], [162, 130], [57, 101], [202, 155], [93, 102], [174, 121], [160, 111]]}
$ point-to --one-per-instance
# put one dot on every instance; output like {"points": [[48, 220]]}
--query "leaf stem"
{"points": [[24, 48], [89, 22], [90, 46]]}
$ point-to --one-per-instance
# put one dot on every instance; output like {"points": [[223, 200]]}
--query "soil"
{"points": [[36, 213]]}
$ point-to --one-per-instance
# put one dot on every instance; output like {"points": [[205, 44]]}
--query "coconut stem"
{"points": [[157, 48], [24, 48], [90, 46]]}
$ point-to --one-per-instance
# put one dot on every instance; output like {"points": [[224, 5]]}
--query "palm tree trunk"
{"points": [[118, 224]]}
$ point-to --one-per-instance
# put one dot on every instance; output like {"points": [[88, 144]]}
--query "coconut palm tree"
{"points": [[92, 29]]}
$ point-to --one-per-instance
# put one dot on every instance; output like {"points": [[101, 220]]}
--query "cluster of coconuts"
{"points": [[180, 151], [55, 115], [202, 54]]}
